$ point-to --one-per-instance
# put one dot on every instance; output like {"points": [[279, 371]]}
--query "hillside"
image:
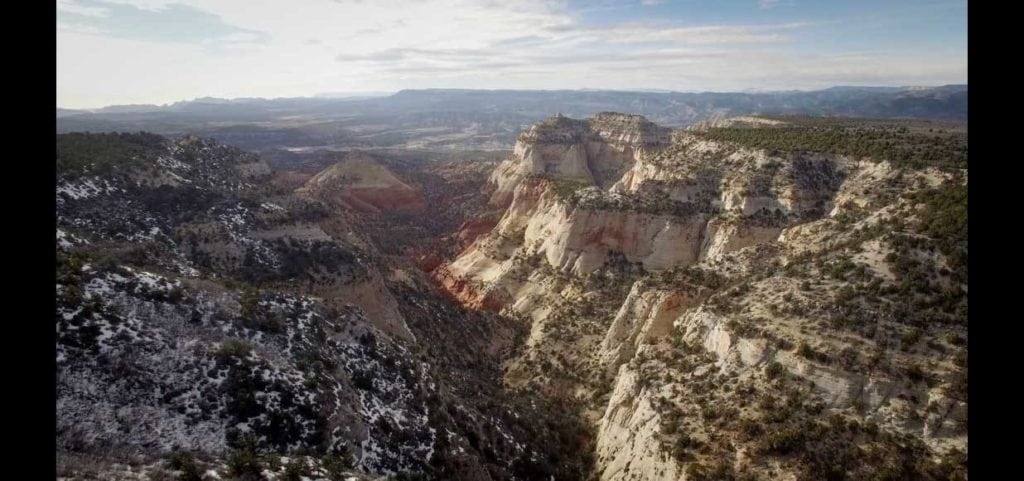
{"points": [[361, 183], [754, 299], [210, 326]]}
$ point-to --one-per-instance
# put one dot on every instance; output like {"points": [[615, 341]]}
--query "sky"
{"points": [[112, 52]]}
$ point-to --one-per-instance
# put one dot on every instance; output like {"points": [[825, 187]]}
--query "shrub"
{"points": [[244, 463], [960, 358], [362, 380], [680, 447], [338, 464], [774, 370], [668, 426], [696, 471], [845, 295], [910, 337], [957, 387], [176, 295], [807, 352], [250, 302], [295, 470], [782, 441], [183, 461], [915, 373], [233, 349], [719, 471]]}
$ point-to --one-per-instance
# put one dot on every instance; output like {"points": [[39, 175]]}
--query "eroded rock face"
{"points": [[582, 240], [709, 239], [585, 193], [627, 443], [646, 315], [593, 151]]}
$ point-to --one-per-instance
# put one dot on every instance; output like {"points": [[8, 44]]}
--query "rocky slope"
{"points": [[729, 307], [754, 298], [212, 325]]}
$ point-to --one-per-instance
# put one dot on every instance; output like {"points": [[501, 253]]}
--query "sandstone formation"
{"points": [[650, 263]]}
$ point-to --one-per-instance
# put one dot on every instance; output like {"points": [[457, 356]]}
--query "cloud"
{"points": [[711, 34], [148, 5], [769, 4], [76, 8], [406, 59], [153, 20], [79, 28], [557, 36], [682, 68], [394, 54], [164, 51]]}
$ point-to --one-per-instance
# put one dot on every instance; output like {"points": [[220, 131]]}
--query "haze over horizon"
{"points": [[378, 94], [116, 52]]}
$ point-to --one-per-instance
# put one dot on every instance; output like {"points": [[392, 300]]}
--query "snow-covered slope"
{"points": [[210, 322]]}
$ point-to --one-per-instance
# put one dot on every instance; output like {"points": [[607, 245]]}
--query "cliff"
{"points": [[685, 286]]}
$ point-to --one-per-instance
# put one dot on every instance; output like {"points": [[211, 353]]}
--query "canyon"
{"points": [[680, 283], [745, 298]]}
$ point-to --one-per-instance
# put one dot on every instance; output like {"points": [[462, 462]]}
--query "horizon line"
{"points": [[357, 95]]}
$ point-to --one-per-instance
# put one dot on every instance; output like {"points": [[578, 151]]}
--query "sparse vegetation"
{"points": [[233, 349], [96, 154], [244, 461], [185, 463], [880, 140]]}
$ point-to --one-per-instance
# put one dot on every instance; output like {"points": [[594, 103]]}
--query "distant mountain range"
{"points": [[946, 102], [460, 119], [351, 95]]}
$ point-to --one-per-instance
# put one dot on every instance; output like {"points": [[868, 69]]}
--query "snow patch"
{"points": [[86, 188]]}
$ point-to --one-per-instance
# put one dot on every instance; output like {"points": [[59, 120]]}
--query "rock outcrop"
{"points": [[595, 151], [584, 193], [664, 273]]}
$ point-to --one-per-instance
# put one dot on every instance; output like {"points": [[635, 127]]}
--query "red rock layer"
{"points": [[466, 295], [386, 199]]}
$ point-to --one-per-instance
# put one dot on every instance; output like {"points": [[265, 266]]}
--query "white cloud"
{"points": [[712, 34], [76, 8], [769, 4], [236, 41], [79, 28], [315, 46], [150, 5]]}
